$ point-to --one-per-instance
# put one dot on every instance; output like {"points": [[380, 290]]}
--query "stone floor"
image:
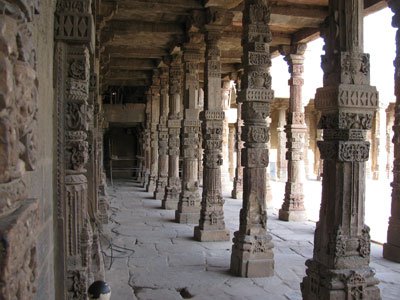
{"points": [[148, 256]]}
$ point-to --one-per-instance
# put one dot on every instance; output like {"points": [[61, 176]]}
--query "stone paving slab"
{"points": [[156, 258]]}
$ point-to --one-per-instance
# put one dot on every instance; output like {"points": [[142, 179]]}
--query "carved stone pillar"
{"points": [[20, 218], [147, 141], [154, 119], [252, 254], [389, 138], [173, 188], [231, 147], [226, 95], [237, 192], [391, 250], [73, 28], [200, 164], [162, 179], [340, 268], [281, 151], [378, 144], [212, 225], [189, 201], [293, 203]]}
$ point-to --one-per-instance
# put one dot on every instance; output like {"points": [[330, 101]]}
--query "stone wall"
{"points": [[26, 218]]}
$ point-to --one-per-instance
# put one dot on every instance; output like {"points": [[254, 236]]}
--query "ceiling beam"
{"points": [[132, 63]]}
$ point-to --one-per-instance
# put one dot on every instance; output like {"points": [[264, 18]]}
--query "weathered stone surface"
{"points": [[293, 205], [154, 118], [189, 199], [391, 249], [162, 179], [212, 225], [18, 263], [173, 189], [252, 254], [340, 268]]}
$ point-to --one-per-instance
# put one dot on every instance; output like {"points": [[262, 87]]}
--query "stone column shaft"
{"points": [[173, 188], [189, 201], [340, 268], [391, 250], [212, 225], [154, 122], [162, 179], [237, 192], [281, 161], [293, 204], [252, 254]]}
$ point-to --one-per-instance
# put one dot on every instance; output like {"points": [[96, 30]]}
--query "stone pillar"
{"points": [[231, 147], [200, 164], [73, 47], [212, 225], [226, 95], [237, 192], [252, 254], [391, 250], [293, 203], [20, 217], [173, 188], [379, 144], [162, 179], [340, 268], [389, 138], [189, 201], [147, 141], [154, 121], [281, 164]]}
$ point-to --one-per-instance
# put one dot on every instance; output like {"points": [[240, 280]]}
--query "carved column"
{"points": [[154, 119], [281, 158], [173, 188], [231, 146], [340, 268], [73, 34], [147, 141], [162, 179], [212, 225], [237, 192], [189, 201], [200, 164], [252, 254], [20, 218], [293, 203], [391, 250], [226, 95]]}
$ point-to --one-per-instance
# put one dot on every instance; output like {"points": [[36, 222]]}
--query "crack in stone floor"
{"points": [[154, 258]]}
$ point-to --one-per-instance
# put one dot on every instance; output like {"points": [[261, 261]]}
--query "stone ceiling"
{"points": [[135, 35]]}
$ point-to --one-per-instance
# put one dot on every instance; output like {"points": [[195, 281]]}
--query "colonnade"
{"points": [[339, 268]]}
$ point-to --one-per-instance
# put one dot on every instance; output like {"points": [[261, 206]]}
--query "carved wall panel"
{"points": [[18, 149]]}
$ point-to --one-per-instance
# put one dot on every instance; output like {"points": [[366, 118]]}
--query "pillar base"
{"points": [[292, 215], [391, 252], [169, 204], [187, 218], [237, 194], [330, 284], [151, 185], [252, 256], [202, 235], [159, 195]]}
